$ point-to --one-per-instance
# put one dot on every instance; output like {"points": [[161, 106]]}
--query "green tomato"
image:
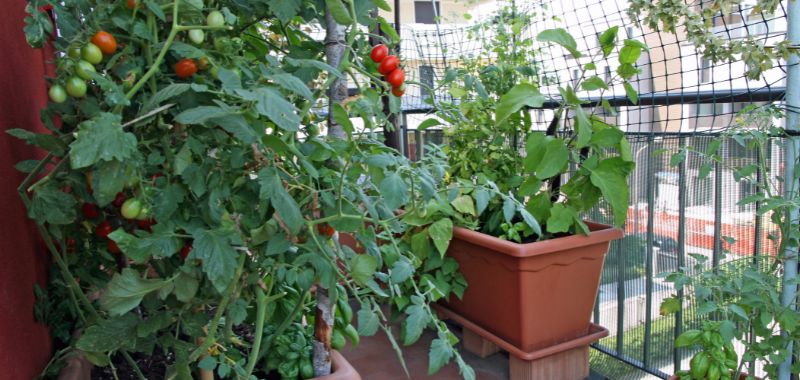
{"points": [[57, 94], [215, 19], [74, 52], [92, 53], [76, 87], [84, 70], [197, 36], [144, 214], [131, 208]]}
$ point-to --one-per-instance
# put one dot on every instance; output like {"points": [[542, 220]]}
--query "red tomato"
{"points": [[105, 41], [398, 91], [379, 52], [396, 77], [133, 4], [185, 68], [187, 248], [119, 200], [388, 64], [90, 211], [112, 246], [145, 224], [325, 229], [103, 229], [71, 243]]}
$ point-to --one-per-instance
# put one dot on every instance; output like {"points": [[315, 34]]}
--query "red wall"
{"points": [[24, 344]]}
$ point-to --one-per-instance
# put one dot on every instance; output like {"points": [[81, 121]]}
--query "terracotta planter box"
{"points": [[741, 377], [533, 295]]}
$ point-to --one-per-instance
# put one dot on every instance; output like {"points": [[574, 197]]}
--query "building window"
{"points": [[705, 70], [760, 24], [426, 77], [607, 74], [424, 12], [631, 32], [576, 75], [710, 109]]}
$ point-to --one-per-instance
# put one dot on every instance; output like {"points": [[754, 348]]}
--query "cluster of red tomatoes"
{"points": [[102, 43], [389, 67], [127, 212]]}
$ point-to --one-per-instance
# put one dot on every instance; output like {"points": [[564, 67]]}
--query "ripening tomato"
{"points": [[388, 64], [215, 19], [71, 244], [84, 70], [103, 229], [132, 4], [119, 200], [105, 41], [76, 87], [57, 94], [185, 68], [325, 229], [131, 208], [112, 246], [379, 52], [197, 36], [92, 53], [186, 250], [396, 77], [90, 210], [145, 224], [398, 91]]}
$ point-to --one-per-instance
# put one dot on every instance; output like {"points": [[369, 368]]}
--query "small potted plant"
{"points": [[740, 301], [532, 263]]}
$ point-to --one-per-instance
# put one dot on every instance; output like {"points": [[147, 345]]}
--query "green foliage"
{"points": [[236, 186], [490, 118]]}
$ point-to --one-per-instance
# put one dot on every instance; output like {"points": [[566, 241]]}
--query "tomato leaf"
{"points": [[339, 12], [285, 10], [362, 268], [109, 334], [394, 191], [272, 189], [440, 354], [126, 291], [417, 318], [214, 248], [110, 177], [53, 206], [368, 322], [441, 232], [101, 138]]}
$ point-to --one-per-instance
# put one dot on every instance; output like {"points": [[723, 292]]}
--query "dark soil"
{"points": [[153, 367]]}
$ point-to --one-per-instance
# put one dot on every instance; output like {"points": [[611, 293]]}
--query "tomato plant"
{"points": [[218, 194], [84, 70]]}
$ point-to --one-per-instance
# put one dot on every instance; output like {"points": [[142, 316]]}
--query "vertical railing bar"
{"points": [[419, 146], [620, 252], [648, 324], [676, 358], [717, 214]]}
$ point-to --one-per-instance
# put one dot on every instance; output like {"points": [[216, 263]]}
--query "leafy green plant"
{"points": [[190, 203], [742, 298], [489, 119]]}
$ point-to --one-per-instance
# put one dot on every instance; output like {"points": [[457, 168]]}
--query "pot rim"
{"points": [[599, 233]]}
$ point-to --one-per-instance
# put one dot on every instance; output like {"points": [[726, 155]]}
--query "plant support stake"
{"points": [[790, 158]]}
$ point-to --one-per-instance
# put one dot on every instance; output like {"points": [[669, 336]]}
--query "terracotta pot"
{"points": [[342, 370], [533, 295]]}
